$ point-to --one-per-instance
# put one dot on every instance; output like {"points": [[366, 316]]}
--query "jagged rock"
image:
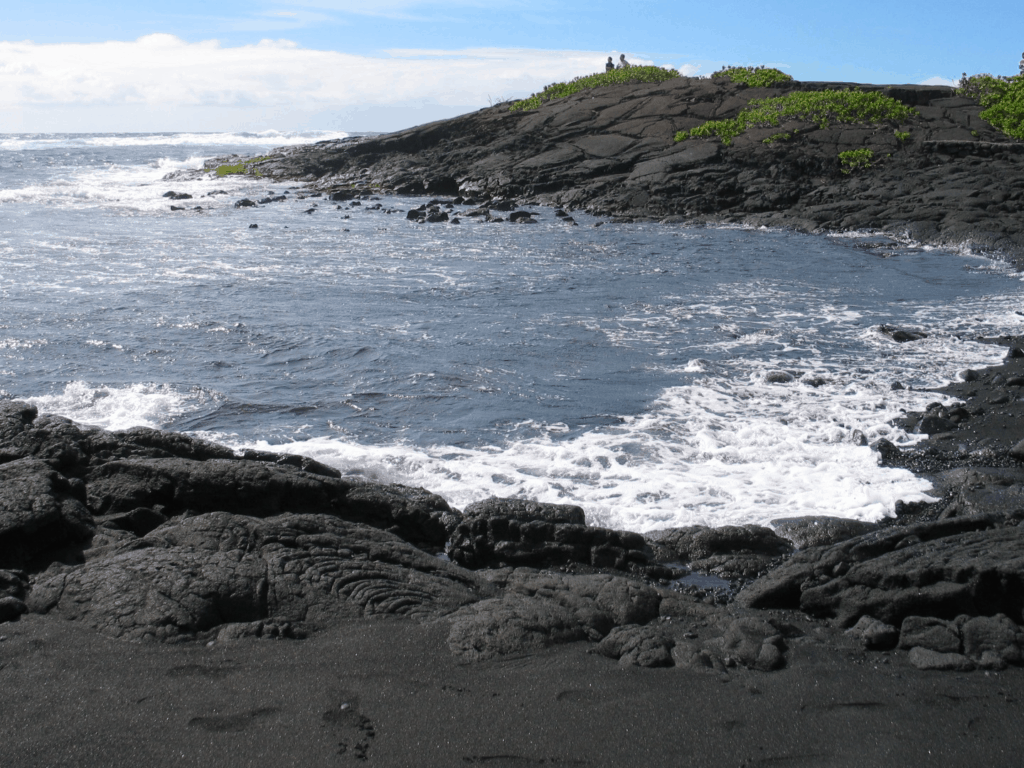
{"points": [[938, 569], [258, 629], [874, 634], [526, 511], [927, 632], [517, 532], [902, 334], [245, 487], [13, 584], [40, 511], [699, 542], [139, 521], [194, 574], [816, 531], [731, 551], [755, 643], [638, 646], [996, 636], [542, 609], [11, 608]]}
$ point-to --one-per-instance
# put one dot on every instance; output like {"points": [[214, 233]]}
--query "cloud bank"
{"points": [[163, 75]]}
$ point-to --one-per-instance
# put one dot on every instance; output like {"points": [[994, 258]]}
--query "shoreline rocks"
{"points": [[944, 177], [155, 536]]}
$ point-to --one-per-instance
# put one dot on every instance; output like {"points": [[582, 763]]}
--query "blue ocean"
{"points": [[657, 375]]}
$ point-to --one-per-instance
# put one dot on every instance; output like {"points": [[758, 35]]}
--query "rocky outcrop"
{"points": [[196, 573], [954, 180], [499, 532], [969, 565]]}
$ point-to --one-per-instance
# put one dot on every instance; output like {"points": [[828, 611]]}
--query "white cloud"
{"points": [[940, 81], [162, 72]]}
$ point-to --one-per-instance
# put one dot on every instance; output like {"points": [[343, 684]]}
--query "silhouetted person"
{"points": [[610, 65], [1020, 66], [623, 64]]}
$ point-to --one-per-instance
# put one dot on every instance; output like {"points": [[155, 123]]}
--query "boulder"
{"points": [[195, 574], [638, 646], [518, 532], [816, 531], [41, 512], [875, 635], [541, 609]]}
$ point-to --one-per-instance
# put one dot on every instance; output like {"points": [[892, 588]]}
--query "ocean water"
{"points": [[627, 368]]}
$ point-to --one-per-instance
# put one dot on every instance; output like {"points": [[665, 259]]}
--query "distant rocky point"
{"points": [[944, 177]]}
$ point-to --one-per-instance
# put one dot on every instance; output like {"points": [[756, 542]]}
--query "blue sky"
{"points": [[345, 65]]}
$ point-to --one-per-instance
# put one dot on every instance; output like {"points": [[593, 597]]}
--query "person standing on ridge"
{"points": [[1019, 66], [623, 64], [610, 65]]}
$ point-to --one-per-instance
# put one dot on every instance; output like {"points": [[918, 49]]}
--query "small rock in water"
{"points": [[254, 226]]}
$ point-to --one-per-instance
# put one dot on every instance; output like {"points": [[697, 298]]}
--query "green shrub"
{"points": [[855, 160], [819, 107], [901, 136], [777, 137], [585, 82], [244, 167], [756, 77], [1002, 97]]}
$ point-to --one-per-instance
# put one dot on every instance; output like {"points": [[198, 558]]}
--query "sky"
{"points": [[383, 65]]}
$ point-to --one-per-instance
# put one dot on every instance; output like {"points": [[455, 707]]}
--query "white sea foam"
{"points": [[132, 187], [138, 405], [266, 139]]}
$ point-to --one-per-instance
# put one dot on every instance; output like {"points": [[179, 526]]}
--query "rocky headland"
{"points": [[943, 176]]}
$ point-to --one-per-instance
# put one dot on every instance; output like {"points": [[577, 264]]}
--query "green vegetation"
{"points": [[756, 77], [585, 82], [1002, 98], [244, 167], [901, 136], [819, 107], [777, 137], [855, 160]]}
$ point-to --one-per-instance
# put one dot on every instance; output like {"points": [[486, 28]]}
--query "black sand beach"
{"points": [[166, 601]]}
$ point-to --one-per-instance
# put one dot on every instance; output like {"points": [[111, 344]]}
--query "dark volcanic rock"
{"points": [[902, 334], [500, 532], [611, 150], [731, 551], [40, 512], [970, 565], [263, 489], [815, 531], [542, 609], [638, 646], [197, 573]]}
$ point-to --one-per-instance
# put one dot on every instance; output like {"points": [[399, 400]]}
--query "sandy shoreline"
{"points": [[388, 692]]}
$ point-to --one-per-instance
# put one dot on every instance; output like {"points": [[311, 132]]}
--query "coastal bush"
{"points": [[819, 107], [586, 82], [855, 160], [901, 136], [244, 167], [1002, 98], [756, 77]]}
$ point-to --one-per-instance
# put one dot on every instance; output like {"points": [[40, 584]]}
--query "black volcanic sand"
{"points": [[387, 692], [956, 181]]}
